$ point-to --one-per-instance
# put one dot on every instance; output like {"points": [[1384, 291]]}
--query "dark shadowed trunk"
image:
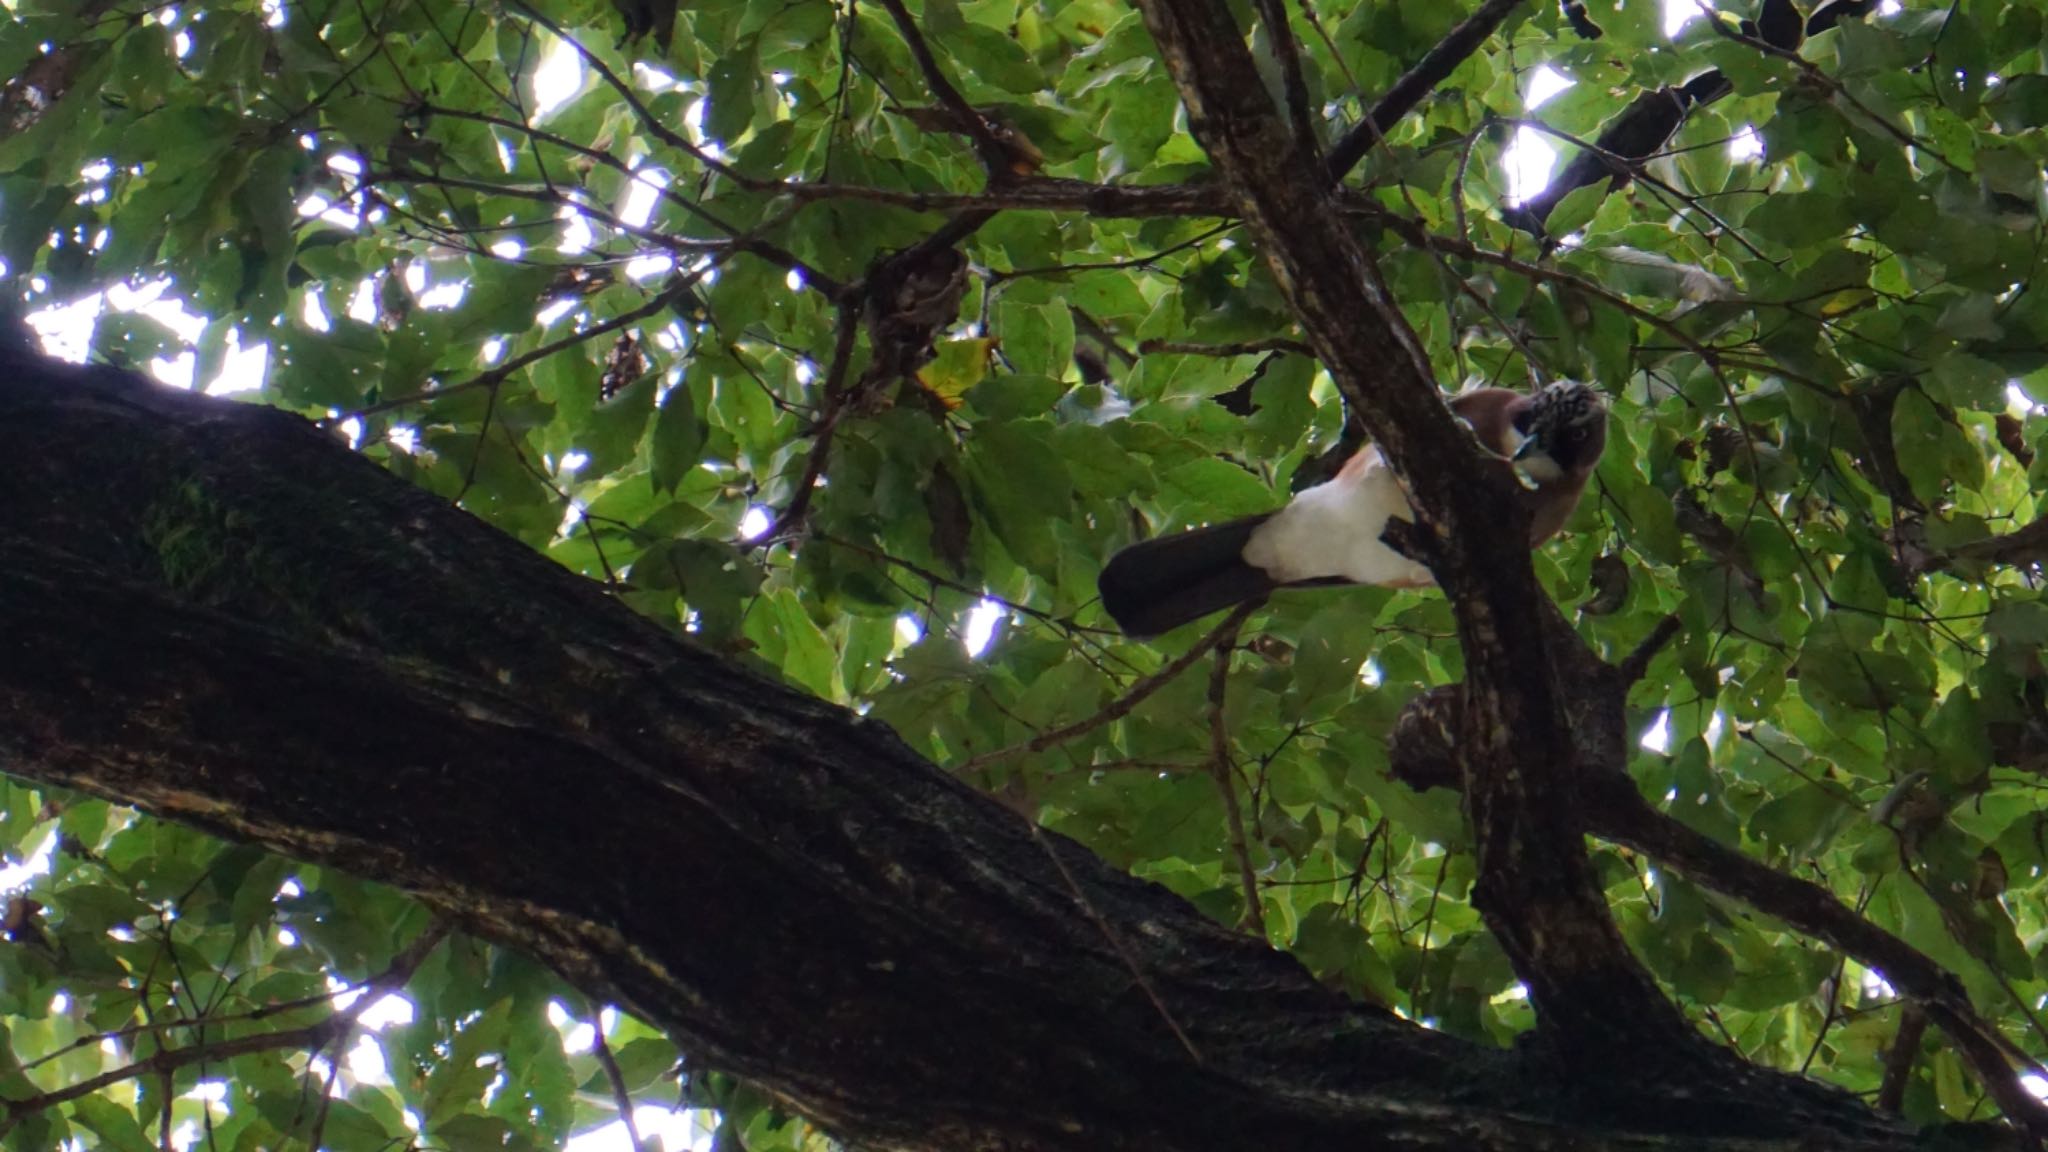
{"points": [[219, 614]]}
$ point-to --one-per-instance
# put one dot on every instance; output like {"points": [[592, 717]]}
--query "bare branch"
{"points": [[1900, 1058], [1225, 772], [1273, 14], [1122, 705], [835, 392], [621, 1094], [2027, 544], [311, 1036], [1535, 887], [1616, 812], [1242, 348], [1433, 69], [994, 156], [1637, 662]]}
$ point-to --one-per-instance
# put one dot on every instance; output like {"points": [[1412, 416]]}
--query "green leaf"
{"points": [[1021, 487], [678, 437], [644, 1061], [367, 122], [1707, 972], [1858, 600], [1217, 490], [733, 87], [1871, 681], [1933, 452], [98, 907], [1642, 273], [996, 59], [1961, 380], [786, 637], [134, 339], [115, 1127], [482, 1134], [1801, 822], [2022, 622], [1576, 209], [1141, 118]]}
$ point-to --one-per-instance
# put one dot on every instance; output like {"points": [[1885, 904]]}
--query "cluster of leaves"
{"points": [[234, 998], [612, 326]]}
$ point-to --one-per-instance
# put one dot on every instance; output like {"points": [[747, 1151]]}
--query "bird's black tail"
{"points": [[1161, 584]]}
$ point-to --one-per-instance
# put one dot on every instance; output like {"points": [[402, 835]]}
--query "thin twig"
{"points": [[649, 122], [848, 23], [1241, 348], [1828, 1019], [311, 1036], [317, 1137], [1637, 662], [1220, 766], [792, 517], [1900, 1058], [1063, 623], [617, 1078], [1636, 168], [1115, 942], [1433, 69], [738, 238], [1273, 13], [498, 374], [1819, 76], [1122, 705], [994, 157]]}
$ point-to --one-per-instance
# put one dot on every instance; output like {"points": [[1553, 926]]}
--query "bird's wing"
{"points": [[1332, 531], [1491, 414]]}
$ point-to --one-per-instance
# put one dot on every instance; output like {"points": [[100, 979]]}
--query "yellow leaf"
{"points": [[960, 365]]}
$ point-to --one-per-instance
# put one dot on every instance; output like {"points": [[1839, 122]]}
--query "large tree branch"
{"points": [[1535, 886], [2027, 544], [217, 613], [1423, 756]]}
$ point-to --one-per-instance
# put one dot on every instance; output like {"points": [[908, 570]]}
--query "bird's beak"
{"points": [[1528, 446]]}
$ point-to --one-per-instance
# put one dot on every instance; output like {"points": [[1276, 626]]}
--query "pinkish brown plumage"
{"points": [[1330, 534]]}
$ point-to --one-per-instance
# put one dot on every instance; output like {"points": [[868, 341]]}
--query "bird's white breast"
{"points": [[1333, 530]]}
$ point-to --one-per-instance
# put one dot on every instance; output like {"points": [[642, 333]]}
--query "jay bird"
{"points": [[1330, 534]]}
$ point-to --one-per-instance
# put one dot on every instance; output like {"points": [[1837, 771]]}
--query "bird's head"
{"points": [[1562, 429]]}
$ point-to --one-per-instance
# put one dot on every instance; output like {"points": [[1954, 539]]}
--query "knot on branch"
{"points": [[1007, 152], [913, 295], [1412, 540], [1422, 749]]}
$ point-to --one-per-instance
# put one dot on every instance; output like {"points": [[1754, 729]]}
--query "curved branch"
{"points": [[1225, 772], [788, 889], [1123, 705], [1273, 14], [309, 1037], [1433, 69], [994, 157], [1616, 812], [1535, 888]]}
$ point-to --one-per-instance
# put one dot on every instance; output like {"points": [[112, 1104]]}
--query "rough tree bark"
{"points": [[222, 616], [1595, 1003], [219, 614], [1522, 758]]}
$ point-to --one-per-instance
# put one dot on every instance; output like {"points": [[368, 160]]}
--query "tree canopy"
{"points": [[845, 341]]}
